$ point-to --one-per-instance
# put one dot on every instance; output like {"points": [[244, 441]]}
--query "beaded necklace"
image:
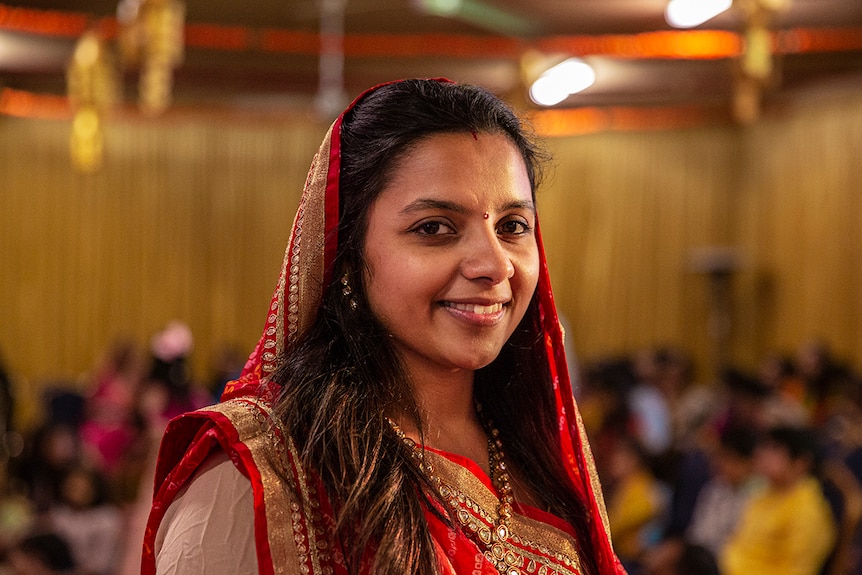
{"points": [[493, 538]]}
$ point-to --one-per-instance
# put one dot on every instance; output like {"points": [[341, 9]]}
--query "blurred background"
{"points": [[702, 212]]}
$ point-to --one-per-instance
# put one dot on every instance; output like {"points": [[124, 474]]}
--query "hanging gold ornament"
{"points": [[757, 64], [151, 40], [161, 51], [130, 36], [93, 89], [87, 142]]}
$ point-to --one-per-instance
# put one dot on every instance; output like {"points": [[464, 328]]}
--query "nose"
{"points": [[486, 258]]}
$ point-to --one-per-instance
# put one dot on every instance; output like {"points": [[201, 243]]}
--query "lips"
{"points": [[475, 308]]}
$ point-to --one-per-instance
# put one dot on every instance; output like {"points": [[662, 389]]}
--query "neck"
{"points": [[787, 483], [448, 415]]}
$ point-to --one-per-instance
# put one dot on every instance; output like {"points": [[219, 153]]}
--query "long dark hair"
{"points": [[343, 373]]}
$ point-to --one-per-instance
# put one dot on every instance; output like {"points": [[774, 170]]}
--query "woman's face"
{"points": [[451, 251]]}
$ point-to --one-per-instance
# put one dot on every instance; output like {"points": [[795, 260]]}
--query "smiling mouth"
{"points": [[475, 308]]}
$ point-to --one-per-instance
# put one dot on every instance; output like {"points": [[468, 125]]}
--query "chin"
{"points": [[479, 360]]}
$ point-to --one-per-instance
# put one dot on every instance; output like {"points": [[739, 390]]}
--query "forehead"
{"points": [[775, 448], [474, 167]]}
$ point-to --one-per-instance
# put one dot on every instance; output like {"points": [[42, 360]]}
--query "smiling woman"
{"points": [[407, 409]]}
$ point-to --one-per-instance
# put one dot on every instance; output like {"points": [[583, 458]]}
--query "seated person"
{"points": [[788, 527], [722, 500], [635, 502], [39, 554]]}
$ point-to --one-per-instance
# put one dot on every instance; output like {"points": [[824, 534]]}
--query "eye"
{"points": [[514, 227], [433, 228]]}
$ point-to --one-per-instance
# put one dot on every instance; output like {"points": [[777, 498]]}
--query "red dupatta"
{"points": [[308, 265]]}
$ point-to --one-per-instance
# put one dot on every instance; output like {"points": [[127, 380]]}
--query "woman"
{"points": [[407, 409]]}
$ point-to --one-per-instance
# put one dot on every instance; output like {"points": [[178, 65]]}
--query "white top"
{"points": [[209, 527], [93, 535]]}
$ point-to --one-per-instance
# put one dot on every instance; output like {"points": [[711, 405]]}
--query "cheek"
{"points": [[524, 286], [529, 268], [394, 284], [770, 463]]}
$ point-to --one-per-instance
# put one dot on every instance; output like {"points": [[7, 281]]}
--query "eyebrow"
{"points": [[428, 204], [431, 204]]}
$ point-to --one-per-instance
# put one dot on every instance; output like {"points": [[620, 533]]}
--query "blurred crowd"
{"points": [[76, 487], [753, 473]]}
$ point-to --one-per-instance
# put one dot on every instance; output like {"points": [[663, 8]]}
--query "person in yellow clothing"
{"points": [[635, 502], [788, 528]]}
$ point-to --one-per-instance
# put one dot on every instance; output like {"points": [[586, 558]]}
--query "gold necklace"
{"points": [[493, 539]]}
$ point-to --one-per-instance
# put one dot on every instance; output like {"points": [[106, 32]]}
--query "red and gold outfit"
{"points": [[293, 517]]}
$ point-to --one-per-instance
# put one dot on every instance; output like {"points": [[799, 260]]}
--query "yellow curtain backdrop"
{"points": [[626, 211], [620, 217], [799, 217], [189, 216], [187, 220]]}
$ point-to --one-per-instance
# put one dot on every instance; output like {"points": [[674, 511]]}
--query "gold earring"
{"points": [[347, 292]]}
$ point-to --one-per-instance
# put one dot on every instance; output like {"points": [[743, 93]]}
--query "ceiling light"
{"points": [[479, 13], [558, 83], [439, 7], [691, 13]]}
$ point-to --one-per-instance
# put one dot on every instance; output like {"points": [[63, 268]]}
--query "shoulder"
{"points": [[237, 427], [216, 476], [235, 460], [210, 524], [239, 419], [230, 458]]}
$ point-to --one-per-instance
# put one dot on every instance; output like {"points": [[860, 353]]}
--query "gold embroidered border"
{"points": [[317, 545], [306, 289], [538, 545], [594, 475], [293, 539]]}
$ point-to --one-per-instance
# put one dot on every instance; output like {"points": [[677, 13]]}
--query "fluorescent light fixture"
{"points": [[561, 81], [23, 52], [439, 7], [479, 13], [691, 13]]}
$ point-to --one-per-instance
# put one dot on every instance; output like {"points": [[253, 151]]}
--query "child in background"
{"points": [[788, 528], [722, 500], [636, 502], [40, 554], [88, 521]]}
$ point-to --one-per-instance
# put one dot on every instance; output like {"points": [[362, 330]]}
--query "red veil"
{"points": [[308, 265]]}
